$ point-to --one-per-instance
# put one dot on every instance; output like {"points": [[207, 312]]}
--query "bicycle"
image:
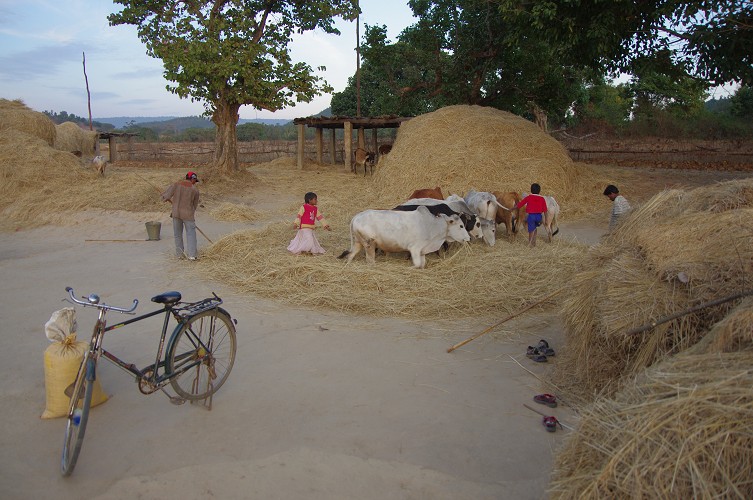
{"points": [[197, 359]]}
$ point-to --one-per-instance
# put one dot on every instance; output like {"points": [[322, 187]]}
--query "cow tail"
{"points": [[347, 252]]}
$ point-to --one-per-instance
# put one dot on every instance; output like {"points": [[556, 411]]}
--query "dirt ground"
{"points": [[319, 405]]}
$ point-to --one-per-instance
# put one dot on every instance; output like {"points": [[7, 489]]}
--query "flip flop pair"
{"points": [[540, 352], [536, 355]]}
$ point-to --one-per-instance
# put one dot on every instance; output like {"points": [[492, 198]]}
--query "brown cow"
{"points": [[384, 149], [512, 216], [435, 193], [364, 159]]}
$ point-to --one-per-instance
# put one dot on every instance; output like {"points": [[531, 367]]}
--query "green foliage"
{"points": [[233, 51], [741, 104], [230, 53], [143, 134], [64, 116], [710, 40], [665, 87], [603, 106], [459, 52]]}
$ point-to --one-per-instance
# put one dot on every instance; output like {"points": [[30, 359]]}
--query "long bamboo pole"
{"points": [[495, 325]]}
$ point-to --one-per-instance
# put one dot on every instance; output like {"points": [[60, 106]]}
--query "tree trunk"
{"points": [[540, 117], [226, 140]]}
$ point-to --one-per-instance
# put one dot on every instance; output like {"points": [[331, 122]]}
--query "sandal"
{"points": [[546, 399], [532, 351], [551, 423], [540, 358], [543, 344]]}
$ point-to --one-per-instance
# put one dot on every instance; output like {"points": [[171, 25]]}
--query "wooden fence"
{"points": [[658, 153], [203, 152]]}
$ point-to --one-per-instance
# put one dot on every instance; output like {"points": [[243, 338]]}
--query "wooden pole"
{"points": [[116, 241], [666, 319], [495, 325], [88, 95]]}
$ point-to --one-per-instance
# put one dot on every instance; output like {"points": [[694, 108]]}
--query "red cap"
{"points": [[192, 176]]}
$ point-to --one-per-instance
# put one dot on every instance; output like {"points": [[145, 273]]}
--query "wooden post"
{"points": [[319, 144], [332, 147], [374, 142], [301, 144], [113, 149], [348, 143], [129, 147], [361, 139]]}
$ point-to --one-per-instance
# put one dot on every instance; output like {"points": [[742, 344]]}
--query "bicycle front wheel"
{"points": [[201, 354], [78, 415]]}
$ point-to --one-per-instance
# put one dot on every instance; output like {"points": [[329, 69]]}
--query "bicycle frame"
{"points": [[149, 374], [159, 362]]}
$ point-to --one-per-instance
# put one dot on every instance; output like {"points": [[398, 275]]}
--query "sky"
{"points": [[42, 43]]}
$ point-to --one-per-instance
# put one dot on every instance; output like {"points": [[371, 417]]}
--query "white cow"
{"points": [[99, 163], [448, 207], [489, 231], [550, 217], [484, 205], [417, 231]]}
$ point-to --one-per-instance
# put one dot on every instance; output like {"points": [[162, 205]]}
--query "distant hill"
{"points": [[179, 123]]}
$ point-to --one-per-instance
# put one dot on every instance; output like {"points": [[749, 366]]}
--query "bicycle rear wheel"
{"points": [[205, 348], [78, 415]]}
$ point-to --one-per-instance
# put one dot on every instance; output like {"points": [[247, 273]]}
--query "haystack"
{"points": [[15, 115], [471, 147], [42, 185], [679, 250], [679, 430], [70, 137]]}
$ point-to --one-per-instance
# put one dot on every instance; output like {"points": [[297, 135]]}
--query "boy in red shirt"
{"points": [[535, 207]]}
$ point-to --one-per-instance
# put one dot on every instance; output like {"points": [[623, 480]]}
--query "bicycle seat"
{"points": [[167, 298]]}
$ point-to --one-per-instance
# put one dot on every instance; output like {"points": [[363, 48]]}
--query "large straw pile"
{"points": [[70, 137], [15, 115], [471, 147], [458, 148], [679, 250], [466, 282], [680, 430], [42, 185]]}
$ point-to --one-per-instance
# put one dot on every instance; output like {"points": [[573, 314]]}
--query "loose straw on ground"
{"points": [[495, 325]]}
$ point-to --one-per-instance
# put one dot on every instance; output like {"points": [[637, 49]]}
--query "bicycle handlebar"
{"points": [[93, 301]]}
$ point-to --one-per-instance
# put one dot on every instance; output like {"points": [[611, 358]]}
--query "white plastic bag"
{"points": [[61, 324]]}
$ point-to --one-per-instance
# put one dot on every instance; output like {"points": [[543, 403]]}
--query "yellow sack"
{"points": [[62, 359]]}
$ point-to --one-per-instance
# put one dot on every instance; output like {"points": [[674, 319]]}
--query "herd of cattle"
{"points": [[427, 221]]}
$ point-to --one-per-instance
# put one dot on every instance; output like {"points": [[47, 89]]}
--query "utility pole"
{"points": [[358, 62]]}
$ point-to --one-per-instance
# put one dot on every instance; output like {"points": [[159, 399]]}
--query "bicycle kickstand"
{"points": [[206, 402]]}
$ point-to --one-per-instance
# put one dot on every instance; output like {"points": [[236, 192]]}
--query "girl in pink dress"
{"points": [[305, 239]]}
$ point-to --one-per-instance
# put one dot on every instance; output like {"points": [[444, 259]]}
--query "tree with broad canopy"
{"points": [[461, 52], [711, 40], [231, 53]]}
